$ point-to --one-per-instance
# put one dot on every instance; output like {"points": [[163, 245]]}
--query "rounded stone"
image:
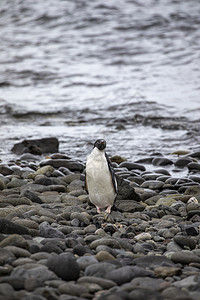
{"points": [[64, 265]]}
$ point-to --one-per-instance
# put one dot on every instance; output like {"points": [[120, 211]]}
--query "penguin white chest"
{"points": [[99, 180]]}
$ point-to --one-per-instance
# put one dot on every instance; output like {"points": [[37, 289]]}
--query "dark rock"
{"points": [[80, 250], [192, 213], [193, 190], [144, 294], [5, 170], [40, 272], [6, 256], [104, 283], [49, 232], [185, 241], [132, 166], [99, 269], [6, 290], [32, 196], [8, 227], [152, 184], [191, 230], [127, 273], [162, 171], [48, 181], [37, 146], [51, 248], [129, 206], [34, 297], [125, 191], [162, 161], [152, 261], [112, 295], [185, 257], [16, 282], [146, 160], [182, 162], [194, 166], [195, 178], [155, 284], [69, 164], [64, 265]]}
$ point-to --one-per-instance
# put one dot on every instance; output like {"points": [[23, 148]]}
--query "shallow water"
{"points": [[127, 71]]}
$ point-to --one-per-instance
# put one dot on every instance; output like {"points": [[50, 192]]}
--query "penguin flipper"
{"points": [[112, 173], [86, 186]]}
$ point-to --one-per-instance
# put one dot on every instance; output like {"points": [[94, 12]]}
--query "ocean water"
{"points": [[127, 71]]}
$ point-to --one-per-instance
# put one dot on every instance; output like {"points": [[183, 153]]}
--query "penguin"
{"points": [[100, 180]]}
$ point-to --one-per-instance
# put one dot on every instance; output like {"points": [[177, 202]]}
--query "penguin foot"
{"points": [[108, 209], [98, 210]]}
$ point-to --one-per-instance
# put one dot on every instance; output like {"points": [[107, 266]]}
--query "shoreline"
{"points": [[147, 247]]}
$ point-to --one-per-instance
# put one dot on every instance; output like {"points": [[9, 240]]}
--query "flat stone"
{"points": [[161, 161], [127, 273], [8, 227], [69, 164], [164, 271], [36, 146], [152, 184], [128, 206], [99, 269], [185, 241], [152, 261], [105, 241], [104, 283], [185, 257], [132, 166]]}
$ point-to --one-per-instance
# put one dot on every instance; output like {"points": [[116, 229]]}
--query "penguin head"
{"points": [[100, 144]]}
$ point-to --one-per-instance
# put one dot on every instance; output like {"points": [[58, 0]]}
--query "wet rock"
{"points": [[5, 170], [194, 166], [152, 184], [129, 206], [182, 162], [64, 265], [8, 227], [162, 161], [132, 166], [37, 146], [69, 164], [125, 191]]}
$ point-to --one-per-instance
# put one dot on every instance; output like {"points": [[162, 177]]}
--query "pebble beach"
{"points": [[54, 245]]}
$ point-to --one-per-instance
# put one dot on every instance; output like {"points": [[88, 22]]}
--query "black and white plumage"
{"points": [[100, 178]]}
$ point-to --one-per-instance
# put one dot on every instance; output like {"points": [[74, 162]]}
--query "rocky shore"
{"points": [[53, 244]]}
